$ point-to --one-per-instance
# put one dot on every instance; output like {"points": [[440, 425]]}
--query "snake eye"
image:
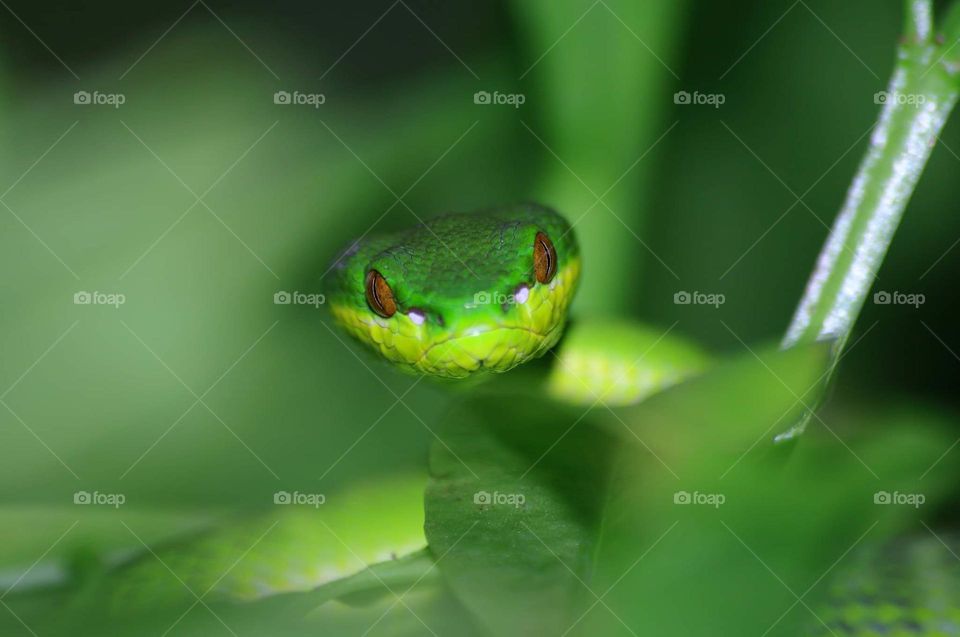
{"points": [[379, 295], [544, 258]]}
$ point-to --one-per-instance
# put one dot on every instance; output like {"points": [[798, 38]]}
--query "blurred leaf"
{"points": [[419, 607], [738, 405], [511, 509], [742, 539], [515, 500]]}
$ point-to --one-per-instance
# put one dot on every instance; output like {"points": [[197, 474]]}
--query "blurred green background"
{"points": [[199, 395]]}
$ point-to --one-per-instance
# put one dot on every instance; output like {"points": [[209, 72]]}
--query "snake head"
{"points": [[461, 293]]}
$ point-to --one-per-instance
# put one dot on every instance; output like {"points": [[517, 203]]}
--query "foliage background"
{"points": [[92, 389]]}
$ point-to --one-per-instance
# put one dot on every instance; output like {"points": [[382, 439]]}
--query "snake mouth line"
{"points": [[477, 332]]}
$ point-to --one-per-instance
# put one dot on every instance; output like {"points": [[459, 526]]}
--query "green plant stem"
{"points": [[921, 94], [919, 20]]}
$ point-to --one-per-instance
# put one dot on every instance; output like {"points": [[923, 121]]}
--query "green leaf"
{"points": [[517, 490], [511, 509], [576, 542], [766, 529], [742, 403]]}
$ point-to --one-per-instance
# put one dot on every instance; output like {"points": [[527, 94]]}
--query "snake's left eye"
{"points": [[544, 258], [379, 295]]}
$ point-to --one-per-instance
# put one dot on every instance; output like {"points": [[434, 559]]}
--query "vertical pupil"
{"points": [[547, 257], [379, 295]]}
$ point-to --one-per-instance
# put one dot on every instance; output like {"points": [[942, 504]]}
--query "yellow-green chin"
{"points": [[523, 333]]}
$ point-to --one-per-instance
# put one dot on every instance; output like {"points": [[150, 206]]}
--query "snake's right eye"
{"points": [[379, 295], [544, 258]]}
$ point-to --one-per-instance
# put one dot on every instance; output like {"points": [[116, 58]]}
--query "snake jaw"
{"points": [[479, 340]]}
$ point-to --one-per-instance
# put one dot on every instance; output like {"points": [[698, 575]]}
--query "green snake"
{"points": [[499, 287], [467, 296]]}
